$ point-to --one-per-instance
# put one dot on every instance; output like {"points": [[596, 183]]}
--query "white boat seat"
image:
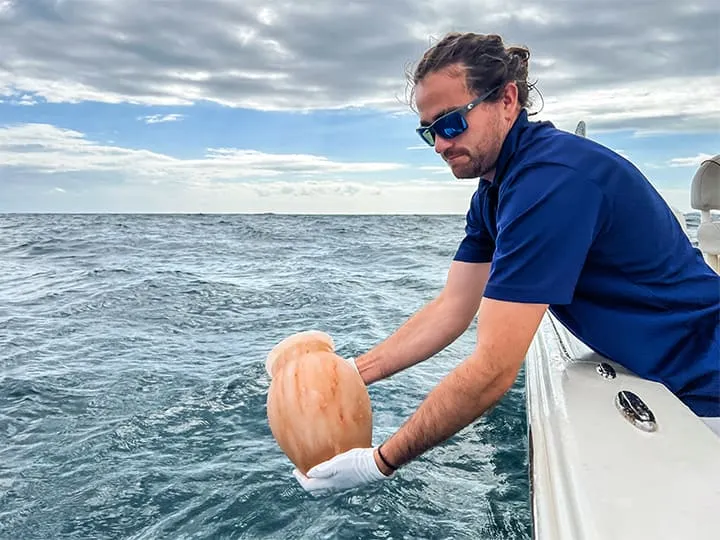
{"points": [[709, 237], [705, 196]]}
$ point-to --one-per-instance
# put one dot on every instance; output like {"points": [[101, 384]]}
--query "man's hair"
{"points": [[486, 61]]}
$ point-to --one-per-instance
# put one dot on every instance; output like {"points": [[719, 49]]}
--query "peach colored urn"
{"points": [[317, 405]]}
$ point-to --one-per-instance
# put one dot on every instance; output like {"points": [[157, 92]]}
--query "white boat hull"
{"points": [[594, 474]]}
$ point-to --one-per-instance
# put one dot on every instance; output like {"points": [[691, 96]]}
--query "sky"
{"points": [[302, 107]]}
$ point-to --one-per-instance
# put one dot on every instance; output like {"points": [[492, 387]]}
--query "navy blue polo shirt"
{"points": [[569, 223]]}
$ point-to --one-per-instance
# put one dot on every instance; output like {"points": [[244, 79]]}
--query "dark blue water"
{"points": [[132, 381]]}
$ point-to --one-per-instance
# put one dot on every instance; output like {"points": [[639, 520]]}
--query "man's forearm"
{"points": [[460, 398], [427, 332]]}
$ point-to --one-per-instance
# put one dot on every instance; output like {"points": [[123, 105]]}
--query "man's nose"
{"points": [[441, 144]]}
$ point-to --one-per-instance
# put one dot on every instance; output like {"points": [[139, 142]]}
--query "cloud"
{"points": [[435, 169], [644, 64], [47, 168], [161, 118], [633, 104], [694, 161], [47, 149], [20, 98]]}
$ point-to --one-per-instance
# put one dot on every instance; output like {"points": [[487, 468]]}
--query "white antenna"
{"points": [[581, 129]]}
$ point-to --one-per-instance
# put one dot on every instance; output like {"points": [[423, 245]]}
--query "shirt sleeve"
{"points": [[548, 218], [477, 246]]}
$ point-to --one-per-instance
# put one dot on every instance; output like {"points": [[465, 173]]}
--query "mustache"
{"points": [[447, 156]]}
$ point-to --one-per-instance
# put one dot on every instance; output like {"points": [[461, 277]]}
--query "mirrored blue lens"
{"points": [[451, 125]]}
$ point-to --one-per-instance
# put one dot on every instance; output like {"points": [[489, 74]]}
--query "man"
{"points": [[557, 221]]}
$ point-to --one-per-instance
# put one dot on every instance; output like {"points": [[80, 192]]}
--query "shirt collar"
{"points": [[510, 145]]}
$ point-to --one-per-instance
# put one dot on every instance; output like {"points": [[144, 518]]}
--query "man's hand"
{"points": [[348, 470]]}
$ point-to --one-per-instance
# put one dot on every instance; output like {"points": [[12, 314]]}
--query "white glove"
{"points": [[348, 470], [351, 361]]}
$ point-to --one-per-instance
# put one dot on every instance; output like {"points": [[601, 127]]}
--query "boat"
{"points": [[613, 456]]}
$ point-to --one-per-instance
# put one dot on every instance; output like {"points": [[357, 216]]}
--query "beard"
{"points": [[474, 164], [480, 161], [472, 167]]}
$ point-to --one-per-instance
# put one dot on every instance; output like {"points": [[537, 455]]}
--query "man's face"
{"points": [[473, 153]]}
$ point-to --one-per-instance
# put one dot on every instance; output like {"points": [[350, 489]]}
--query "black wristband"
{"points": [[385, 461]]}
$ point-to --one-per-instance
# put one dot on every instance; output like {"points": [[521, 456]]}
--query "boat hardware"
{"points": [[635, 411], [606, 370]]}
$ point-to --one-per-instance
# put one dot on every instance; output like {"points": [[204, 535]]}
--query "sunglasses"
{"points": [[452, 124]]}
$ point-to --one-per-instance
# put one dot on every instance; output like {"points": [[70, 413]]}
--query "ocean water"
{"points": [[132, 381]]}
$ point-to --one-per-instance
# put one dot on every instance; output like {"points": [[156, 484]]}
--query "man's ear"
{"points": [[510, 96]]}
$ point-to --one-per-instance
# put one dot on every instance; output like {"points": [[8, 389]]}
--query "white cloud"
{"points": [[43, 148], [51, 169], [694, 161], [20, 99], [679, 162], [44, 161], [435, 169], [25, 100], [5, 7], [598, 62], [634, 104], [161, 118]]}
